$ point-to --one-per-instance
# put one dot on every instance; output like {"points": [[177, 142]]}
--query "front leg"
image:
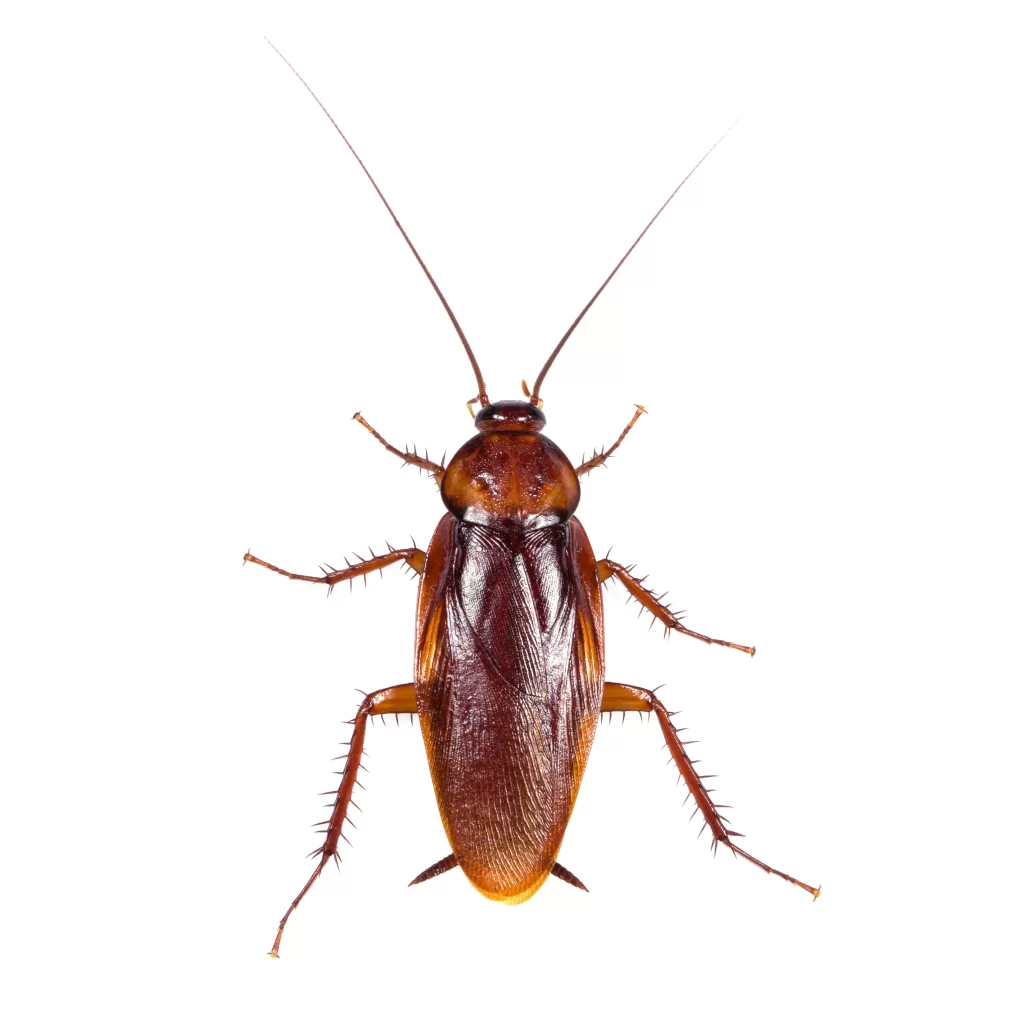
{"points": [[413, 458], [600, 459], [619, 697], [398, 700], [606, 569]]}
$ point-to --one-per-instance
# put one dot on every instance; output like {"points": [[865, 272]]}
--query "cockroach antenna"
{"points": [[481, 395], [535, 395]]}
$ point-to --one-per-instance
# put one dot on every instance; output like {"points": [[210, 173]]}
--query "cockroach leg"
{"points": [[443, 865], [662, 612], [599, 460], [409, 458], [620, 697], [392, 700], [412, 557]]}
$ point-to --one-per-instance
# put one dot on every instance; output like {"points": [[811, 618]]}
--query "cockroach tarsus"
{"points": [[509, 678]]}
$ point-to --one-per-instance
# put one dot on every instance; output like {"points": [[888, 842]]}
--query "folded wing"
{"points": [[509, 679]]}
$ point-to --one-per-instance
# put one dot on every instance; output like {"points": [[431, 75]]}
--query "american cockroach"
{"points": [[509, 681]]}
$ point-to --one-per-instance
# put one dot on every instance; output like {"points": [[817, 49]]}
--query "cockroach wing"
{"points": [[509, 680]]}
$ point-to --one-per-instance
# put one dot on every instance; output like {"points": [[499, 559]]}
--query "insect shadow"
{"points": [[509, 652]]}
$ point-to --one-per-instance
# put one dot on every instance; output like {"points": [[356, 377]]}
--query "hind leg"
{"points": [[393, 700], [619, 697]]}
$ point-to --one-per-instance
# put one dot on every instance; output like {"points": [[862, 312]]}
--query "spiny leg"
{"points": [[392, 700], [599, 460], [669, 619], [620, 697], [412, 557], [409, 458]]}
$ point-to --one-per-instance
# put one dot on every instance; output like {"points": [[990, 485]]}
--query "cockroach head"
{"points": [[509, 475], [510, 415]]}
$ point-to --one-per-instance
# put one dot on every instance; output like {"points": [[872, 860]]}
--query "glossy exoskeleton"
{"points": [[509, 656]]}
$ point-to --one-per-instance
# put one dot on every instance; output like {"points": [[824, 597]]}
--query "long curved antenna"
{"points": [[481, 386], [535, 397]]}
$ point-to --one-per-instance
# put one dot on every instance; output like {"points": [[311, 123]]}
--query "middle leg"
{"points": [[606, 569], [412, 557]]}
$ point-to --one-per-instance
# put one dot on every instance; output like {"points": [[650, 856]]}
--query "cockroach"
{"points": [[509, 680]]}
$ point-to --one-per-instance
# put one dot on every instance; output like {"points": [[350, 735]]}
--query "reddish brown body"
{"points": [[509, 657], [509, 660]]}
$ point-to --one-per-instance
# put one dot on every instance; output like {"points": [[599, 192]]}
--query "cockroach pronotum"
{"points": [[509, 652]]}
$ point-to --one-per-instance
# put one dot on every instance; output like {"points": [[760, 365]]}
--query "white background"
{"points": [[825, 326]]}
